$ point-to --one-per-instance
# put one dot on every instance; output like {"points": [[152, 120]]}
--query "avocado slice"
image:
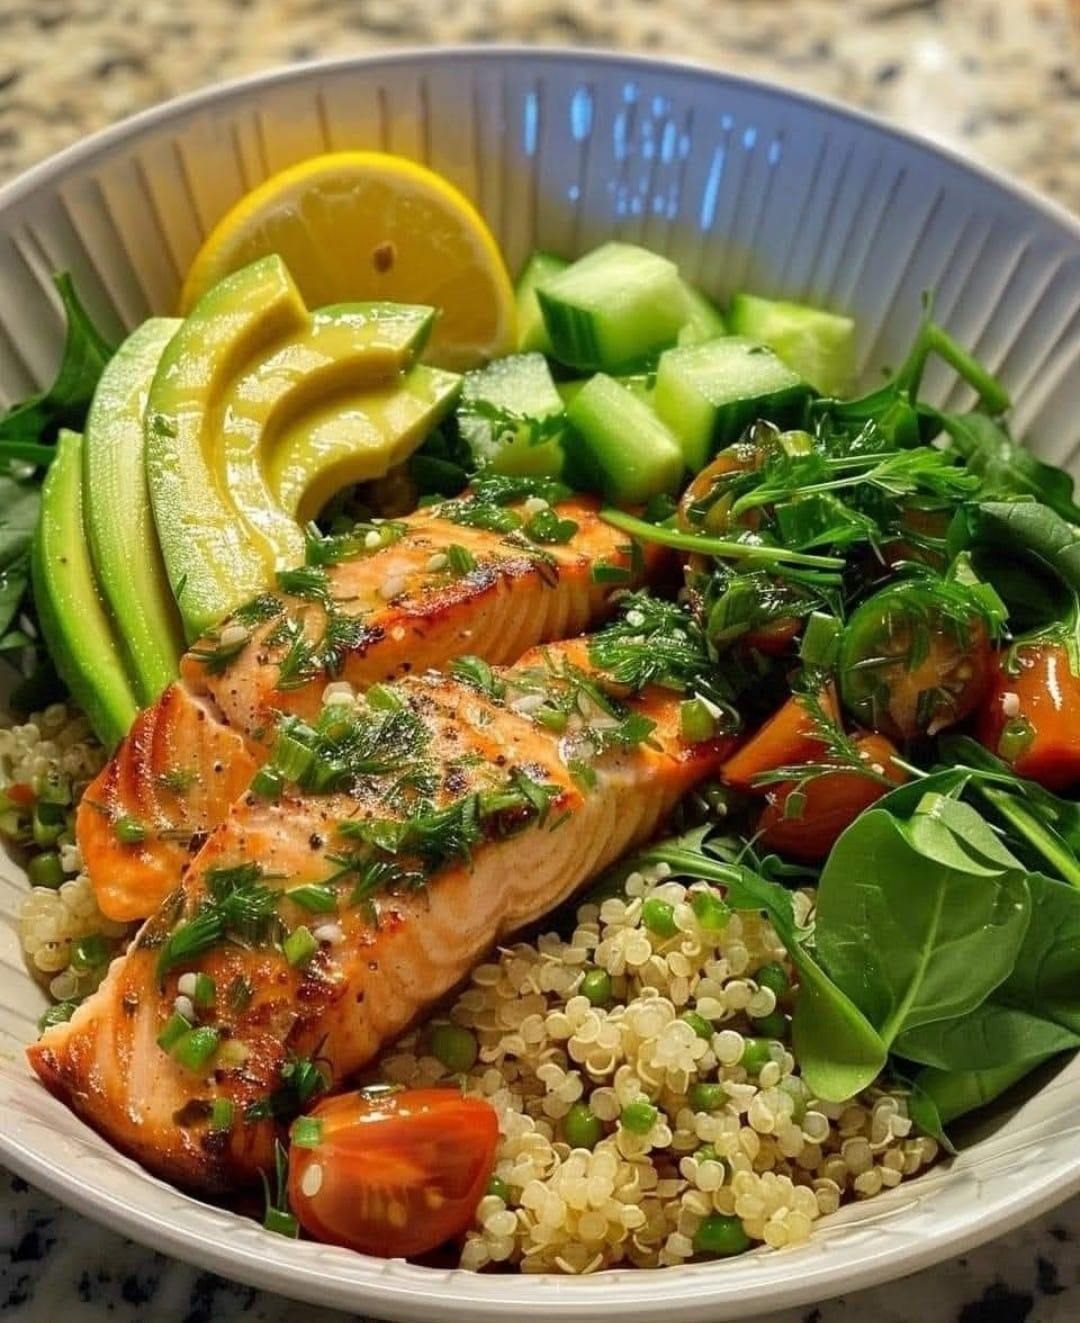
{"points": [[356, 437], [78, 631], [119, 521], [212, 563], [342, 350], [249, 363]]}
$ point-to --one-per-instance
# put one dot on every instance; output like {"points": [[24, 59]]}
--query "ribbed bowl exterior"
{"points": [[745, 186]]}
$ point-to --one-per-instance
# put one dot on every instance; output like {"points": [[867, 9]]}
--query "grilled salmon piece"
{"points": [[455, 813], [429, 590]]}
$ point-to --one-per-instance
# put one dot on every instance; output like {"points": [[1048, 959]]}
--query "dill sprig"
{"points": [[237, 906]]}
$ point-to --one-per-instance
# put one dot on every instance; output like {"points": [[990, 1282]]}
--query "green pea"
{"points": [[639, 1117], [659, 917], [720, 1236], [45, 870], [775, 978], [499, 1188], [706, 1153], [455, 1047], [756, 1053], [773, 1025], [698, 1023], [596, 985], [582, 1127], [707, 1097]]}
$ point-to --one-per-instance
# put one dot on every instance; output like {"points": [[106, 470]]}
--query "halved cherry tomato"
{"points": [[395, 1174], [706, 503], [911, 662], [787, 737], [775, 638], [832, 802], [1032, 719], [22, 794]]}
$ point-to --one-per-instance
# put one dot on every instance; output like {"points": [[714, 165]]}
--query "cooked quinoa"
{"points": [[56, 745], [766, 1152]]}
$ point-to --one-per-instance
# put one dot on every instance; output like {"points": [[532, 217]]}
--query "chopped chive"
{"points": [[384, 699], [281, 1223], [205, 991], [45, 870], [314, 898], [299, 947], [129, 830], [696, 722], [546, 527], [222, 1112], [292, 759], [604, 572], [551, 718], [307, 1132], [194, 1048], [821, 640], [89, 952], [268, 782], [176, 1026], [459, 559], [58, 1014]]}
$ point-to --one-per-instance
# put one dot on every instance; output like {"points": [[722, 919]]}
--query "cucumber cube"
{"points": [[511, 416], [620, 444], [612, 308], [709, 393], [704, 321], [531, 331], [819, 346]]}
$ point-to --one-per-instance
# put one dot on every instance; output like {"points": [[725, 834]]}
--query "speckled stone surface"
{"points": [[997, 78]]}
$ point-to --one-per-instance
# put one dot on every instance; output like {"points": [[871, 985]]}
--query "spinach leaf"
{"points": [[988, 1038], [1046, 978], [64, 404], [1006, 467], [916, 922], [1028, 552], [941, 1096]]}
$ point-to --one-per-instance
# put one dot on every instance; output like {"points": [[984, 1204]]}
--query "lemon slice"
{"points": [[368, 225]]}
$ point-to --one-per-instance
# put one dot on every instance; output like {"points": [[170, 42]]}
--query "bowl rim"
{"points": [[409, 1289]]}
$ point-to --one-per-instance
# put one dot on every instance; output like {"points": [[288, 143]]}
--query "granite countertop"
{"points": [[997, 78]]}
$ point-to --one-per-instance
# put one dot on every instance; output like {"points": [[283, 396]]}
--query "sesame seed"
{"points": [[372, 539], [437, 562], [186, 983], [1010, 704], [184, 1006]]}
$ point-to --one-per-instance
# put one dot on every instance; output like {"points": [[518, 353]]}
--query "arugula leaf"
{"points": [[920, 920], [1005, 467], [86, 351]]}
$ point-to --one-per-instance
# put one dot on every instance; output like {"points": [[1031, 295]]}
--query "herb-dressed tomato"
{"points": [[914, 658], [1031, 717], [828, 803], [790, 736], [395, 1174]]}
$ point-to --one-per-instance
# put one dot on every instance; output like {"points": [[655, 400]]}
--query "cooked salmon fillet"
{"points": [[428, 590], [457, 811]]}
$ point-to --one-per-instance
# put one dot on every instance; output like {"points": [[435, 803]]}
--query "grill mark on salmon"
{"points": [[359, 992], [190, 754]]}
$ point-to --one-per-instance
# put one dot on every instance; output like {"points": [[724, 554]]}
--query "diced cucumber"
{"points": [[704, 322], [613, 307], [511, 416], [568, 390], [620, 443], [531, 331], [707, 394], [818, 345]]}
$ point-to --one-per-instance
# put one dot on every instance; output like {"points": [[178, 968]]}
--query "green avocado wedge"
{"points": [[249, 368], [73, 616], [119, 521]]}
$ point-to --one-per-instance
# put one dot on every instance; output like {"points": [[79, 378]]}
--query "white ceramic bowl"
{"points": [[745, 185]]}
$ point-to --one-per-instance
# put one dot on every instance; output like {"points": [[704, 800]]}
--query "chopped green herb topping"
{"points": [[361, 540], [236, 906]]}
